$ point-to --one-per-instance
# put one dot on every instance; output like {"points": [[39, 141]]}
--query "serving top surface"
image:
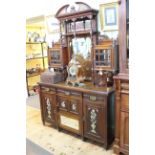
{"points": [[86, 87]]}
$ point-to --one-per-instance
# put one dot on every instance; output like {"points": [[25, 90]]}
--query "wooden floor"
{"points": [[58, 143]]}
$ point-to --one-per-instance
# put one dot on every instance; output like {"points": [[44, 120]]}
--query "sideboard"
{"points": [[85, 110]]}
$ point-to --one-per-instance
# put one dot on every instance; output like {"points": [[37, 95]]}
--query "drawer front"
{"points": [[95, 99], [124, 102], [63, 92], [70, 93], [62, 103], [47, 90], [75, 106]]}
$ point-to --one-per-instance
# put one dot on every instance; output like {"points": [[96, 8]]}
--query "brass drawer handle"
{"points": [[92, 98]]}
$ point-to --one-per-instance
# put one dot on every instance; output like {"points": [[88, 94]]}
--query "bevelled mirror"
{"points": [[82, 46]]}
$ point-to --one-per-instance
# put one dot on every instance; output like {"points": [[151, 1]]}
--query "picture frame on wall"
{"points": [[52, 24], [109, 16]]}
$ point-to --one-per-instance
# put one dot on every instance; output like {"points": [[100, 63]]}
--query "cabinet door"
{"points": [[75, 106], [94, 122], [124, 130], [48, 107]]}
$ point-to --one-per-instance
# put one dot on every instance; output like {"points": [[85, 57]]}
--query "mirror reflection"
{"points": [[82, 46]]}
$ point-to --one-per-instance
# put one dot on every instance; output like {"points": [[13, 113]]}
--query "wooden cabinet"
{"points": [[57, 56], [124, 129], [105, 62], [121, 144], [124, 36], [106, 56], [87, 111], [81, 107]]}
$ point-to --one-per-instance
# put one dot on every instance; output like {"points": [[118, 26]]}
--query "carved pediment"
{"points": [[73, 8]]}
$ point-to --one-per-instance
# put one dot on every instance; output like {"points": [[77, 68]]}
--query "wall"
{"points": [[47, 7], [50, 7]]}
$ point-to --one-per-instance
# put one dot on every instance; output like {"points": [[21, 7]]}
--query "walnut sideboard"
{"points": [[87, 110]]}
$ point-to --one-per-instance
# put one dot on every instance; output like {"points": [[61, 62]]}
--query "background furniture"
{"points": [[36, 63], [122, 84]]}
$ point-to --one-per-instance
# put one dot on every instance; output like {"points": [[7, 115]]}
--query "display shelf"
{"points": [[35, 61], [33, 74], [37, 58], [35, 42], [85, 32]]}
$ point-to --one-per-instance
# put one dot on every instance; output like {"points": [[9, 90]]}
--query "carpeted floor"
{"points": [[53, 141]]}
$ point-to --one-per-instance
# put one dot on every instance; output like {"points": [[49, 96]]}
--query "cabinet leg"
{"points": [[105, 146], [116, 149], [59, 129]]}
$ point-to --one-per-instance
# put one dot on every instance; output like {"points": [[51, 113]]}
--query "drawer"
{"points": [[62, 103], [124, 102], [94, 98], [70, 93], [63, 92], [75, 106], [47, 89]]}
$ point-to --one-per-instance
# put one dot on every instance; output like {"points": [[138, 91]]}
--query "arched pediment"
{"points": [[73, 8]]}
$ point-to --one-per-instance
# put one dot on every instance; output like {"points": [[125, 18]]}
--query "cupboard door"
{"points": [[124, 130], [94, 122], [48, 106]]}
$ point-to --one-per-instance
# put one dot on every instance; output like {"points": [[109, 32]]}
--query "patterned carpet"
{"points": [[58, 143]]}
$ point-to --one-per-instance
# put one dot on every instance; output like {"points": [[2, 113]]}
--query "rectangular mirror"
{"points": [[81, 46]]}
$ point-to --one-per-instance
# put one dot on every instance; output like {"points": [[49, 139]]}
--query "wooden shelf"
{"points": [[36, 58], [78, 33], [35, 42], [33, 74]]}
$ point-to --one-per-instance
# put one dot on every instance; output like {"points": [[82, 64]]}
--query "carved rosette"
{"points": [[48, 107], [93, 120]]}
